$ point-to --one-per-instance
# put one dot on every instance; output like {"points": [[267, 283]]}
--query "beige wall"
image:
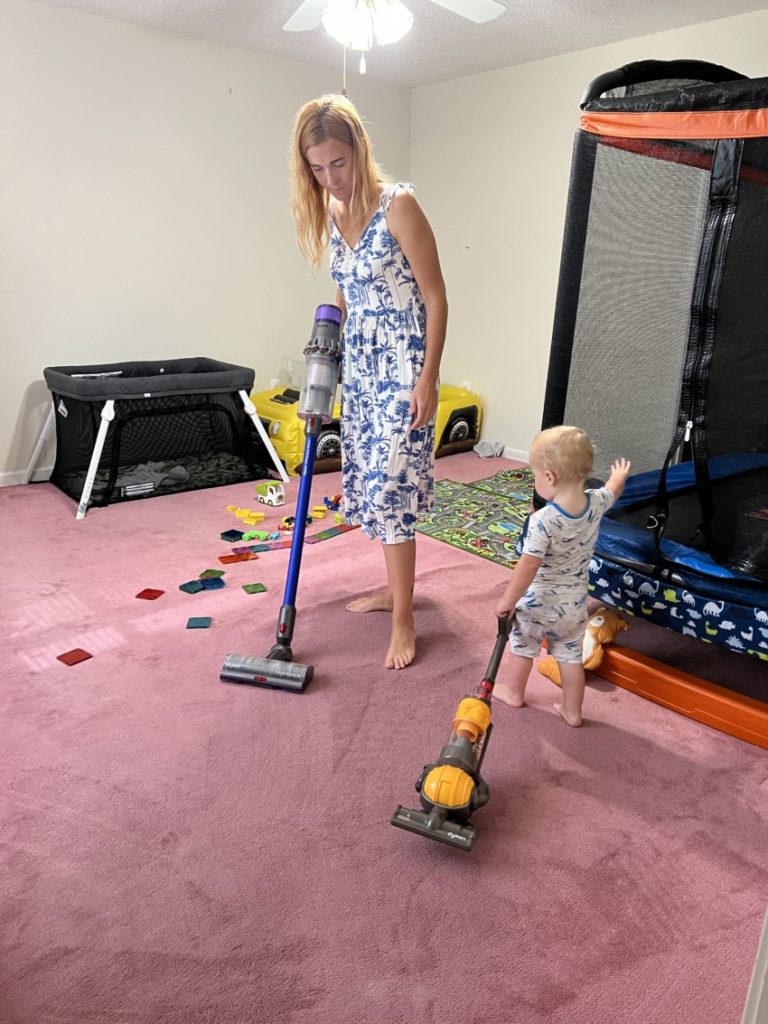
{"points": [[144, 203], [491, 156]]}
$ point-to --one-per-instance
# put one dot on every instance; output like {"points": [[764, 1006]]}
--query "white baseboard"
{"points": [[516, 454], [17, 477]]}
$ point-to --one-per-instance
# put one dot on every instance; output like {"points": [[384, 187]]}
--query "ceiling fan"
{"points": [[308, 15]]}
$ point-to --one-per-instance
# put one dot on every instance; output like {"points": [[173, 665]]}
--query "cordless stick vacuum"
{"points": [[452, 788], [323, 353]]}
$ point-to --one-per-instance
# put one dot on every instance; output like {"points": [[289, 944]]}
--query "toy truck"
{"points": [[270, 493]]}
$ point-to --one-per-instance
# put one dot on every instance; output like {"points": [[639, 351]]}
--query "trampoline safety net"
{"points": [[660, 338]]}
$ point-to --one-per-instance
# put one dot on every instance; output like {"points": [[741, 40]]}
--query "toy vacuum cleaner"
{"points": [[452, 788], [323, 354]]}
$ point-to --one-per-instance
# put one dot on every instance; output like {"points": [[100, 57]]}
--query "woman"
{"points": [[391, 291]]}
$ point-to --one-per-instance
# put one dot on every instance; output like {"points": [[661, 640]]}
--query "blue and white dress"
{"points": [[387, 468]]}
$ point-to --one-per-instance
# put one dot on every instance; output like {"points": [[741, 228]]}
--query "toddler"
{"points": [[547, 593]]}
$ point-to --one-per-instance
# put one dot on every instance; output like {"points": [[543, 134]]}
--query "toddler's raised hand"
{"points": [[619, 473]]}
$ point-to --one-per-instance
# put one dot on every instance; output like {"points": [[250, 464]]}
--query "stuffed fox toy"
{"points": [[602, 627]]}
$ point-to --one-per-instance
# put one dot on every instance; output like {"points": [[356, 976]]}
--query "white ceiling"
{"points": [[440, 46]]}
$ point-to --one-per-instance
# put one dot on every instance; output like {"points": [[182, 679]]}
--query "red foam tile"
{"points": [[73, 657]]}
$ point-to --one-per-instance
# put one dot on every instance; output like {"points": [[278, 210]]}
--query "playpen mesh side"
{"points": [[157, 445], [645, 217]]}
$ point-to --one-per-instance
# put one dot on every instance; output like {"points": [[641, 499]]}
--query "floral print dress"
{"points": [[387, 468]]}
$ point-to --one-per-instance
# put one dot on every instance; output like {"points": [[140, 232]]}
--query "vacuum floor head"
{"points": [[434, 825], [277, 675]]}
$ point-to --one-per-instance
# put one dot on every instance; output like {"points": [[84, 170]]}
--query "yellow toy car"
{"points": [[457, 426]]}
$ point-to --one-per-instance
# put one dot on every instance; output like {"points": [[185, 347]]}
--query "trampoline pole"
{"points": [[107, 415], [250, 408]]}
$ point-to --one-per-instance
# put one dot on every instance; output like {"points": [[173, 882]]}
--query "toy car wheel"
{"points": [[458, 430], [328, 445]]}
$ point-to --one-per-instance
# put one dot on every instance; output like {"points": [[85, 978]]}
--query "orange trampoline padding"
{"points": [[677, 124], [705, 702]]}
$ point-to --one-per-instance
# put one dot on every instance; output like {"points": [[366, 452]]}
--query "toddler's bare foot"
{"points": [[380, 602], [571, 719], [402, 647], [507, 696]]}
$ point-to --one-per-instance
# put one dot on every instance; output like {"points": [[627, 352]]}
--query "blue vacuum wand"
{"points": [[323, 354]]}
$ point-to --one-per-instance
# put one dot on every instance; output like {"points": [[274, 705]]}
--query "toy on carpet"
{"points": [[150, 594], [603, 625], [332, 531], [232, 536], [200, 584], [289, 522], [199, 622], [256, 535], [270, 494], [254, 588], [452, 788], [322, 354], [74, 657]]}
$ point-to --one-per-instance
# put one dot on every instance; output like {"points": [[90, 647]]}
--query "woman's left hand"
{"points": [[423, 403]]}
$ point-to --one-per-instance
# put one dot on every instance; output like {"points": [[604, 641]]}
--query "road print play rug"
{"points": [[484, 517]]}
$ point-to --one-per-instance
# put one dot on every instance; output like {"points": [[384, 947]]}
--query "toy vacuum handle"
{"points": [[502, 635]]}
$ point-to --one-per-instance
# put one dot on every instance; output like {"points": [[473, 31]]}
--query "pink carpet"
{"points": [[176, 849]]}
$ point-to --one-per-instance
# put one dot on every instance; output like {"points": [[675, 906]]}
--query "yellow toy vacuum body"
{"points": [[452, 788]]}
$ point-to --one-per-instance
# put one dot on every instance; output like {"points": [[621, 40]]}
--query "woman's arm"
{"points": [[411, 229]]}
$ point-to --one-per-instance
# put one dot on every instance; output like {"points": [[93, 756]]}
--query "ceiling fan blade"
{"points": [[475, 10], [306, 16]]}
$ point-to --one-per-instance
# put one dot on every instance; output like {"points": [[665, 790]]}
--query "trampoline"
{"points": [[660, 345]]}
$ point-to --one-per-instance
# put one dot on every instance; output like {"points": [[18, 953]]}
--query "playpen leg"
{"points": [[250, 408], [40, 445], [107, 415]]}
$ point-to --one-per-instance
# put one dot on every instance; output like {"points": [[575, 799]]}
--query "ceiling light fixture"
{"points": [[357, 24]]}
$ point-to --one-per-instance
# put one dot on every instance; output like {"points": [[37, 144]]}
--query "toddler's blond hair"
{"points": [[565, 451]]}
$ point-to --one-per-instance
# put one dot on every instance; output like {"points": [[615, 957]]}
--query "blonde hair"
{"points": [[330, 117], [565, 451]]}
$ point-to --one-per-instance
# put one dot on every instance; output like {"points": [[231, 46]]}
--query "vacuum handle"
{"points": [[502, 635]]}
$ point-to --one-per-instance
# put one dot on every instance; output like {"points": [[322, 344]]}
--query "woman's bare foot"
{"points": [[573, 720], [379, 602], [402, 646], [507, 696]]}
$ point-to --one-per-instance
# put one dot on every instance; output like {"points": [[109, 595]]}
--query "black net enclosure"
{"points": [[660, 340], [137, 429]]}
